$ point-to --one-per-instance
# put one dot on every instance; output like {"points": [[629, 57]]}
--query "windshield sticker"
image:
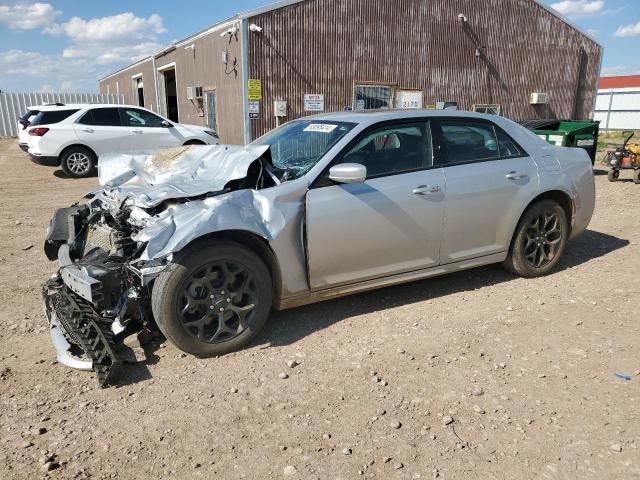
{"points": [[321, 127]]}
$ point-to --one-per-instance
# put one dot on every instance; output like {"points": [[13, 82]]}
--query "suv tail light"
{"points": [[38, 131]]}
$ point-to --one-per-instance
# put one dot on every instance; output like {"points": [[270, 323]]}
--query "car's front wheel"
{"points": [[214, 300], [539, 241], [78, 162]]}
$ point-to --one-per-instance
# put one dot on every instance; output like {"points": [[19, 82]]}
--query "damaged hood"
{"points": [[145, 180]]}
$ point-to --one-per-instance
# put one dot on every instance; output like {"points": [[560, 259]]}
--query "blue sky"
{"points": [[67, 45]]}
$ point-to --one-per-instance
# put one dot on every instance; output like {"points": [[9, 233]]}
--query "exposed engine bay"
{"points": [[111, 248]]}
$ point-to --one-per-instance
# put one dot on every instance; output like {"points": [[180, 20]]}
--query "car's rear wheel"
{"points": [[78, 162], [540, 240], [214, 300]]}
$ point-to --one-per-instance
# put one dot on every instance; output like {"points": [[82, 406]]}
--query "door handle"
{"points": [[426, 190], [88, 130], [137, 131], [515, 176]]}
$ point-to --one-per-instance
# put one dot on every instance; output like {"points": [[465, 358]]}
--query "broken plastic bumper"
{"points": [[60, 343]]}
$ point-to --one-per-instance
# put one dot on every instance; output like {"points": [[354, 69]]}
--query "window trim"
{"points": [[392, 97], [487, 105], [322, 180], [90, 110], [439, 138]]}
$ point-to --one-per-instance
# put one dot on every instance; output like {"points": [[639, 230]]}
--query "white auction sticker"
{"points": [[321, 127]]}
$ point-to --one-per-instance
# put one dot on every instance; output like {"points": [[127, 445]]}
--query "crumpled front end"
{"points": [[111, 249], [100, 293]]}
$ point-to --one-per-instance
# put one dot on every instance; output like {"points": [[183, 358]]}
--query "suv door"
{"points": [[149, 131], [390, 224], [490, 181], [101, 130]]}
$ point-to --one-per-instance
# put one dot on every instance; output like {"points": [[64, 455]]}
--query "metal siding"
{"points": [[13, 105], [323, 46]]}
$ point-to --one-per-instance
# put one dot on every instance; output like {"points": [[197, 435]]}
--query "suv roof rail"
{"points": [[57, 104]]}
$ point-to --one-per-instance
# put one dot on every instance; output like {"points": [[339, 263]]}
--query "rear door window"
{"points": [[106, 117], [51, 117], [469, 141]]}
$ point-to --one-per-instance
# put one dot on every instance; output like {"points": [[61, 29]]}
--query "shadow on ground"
{"points": [[289, 326]]}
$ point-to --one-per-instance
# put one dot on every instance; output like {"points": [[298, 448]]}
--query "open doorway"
{"points": [[138, 91], [170, 93]]}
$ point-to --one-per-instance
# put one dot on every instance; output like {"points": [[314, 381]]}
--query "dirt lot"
{"points": [[524, 368]]}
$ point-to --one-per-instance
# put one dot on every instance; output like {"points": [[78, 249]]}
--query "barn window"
{"points": [[373, 97], [487, 108]]}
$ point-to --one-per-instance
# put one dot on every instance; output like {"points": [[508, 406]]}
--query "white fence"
{"points": [[618, 109], [13, 105]]}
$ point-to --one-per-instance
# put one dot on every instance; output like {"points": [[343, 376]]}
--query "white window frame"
{"points": [[134, 87], [162, 104], [495, 106], [390, 86]]}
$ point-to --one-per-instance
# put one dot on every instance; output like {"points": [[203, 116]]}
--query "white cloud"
{"points": [[25, 16], [620, 70], [19, 66], [632, 30], [578, 8], [104, 54], [122, 29]]}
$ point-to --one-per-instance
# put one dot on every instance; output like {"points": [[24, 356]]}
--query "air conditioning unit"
{"points": [[538, 98], [194, 93]]}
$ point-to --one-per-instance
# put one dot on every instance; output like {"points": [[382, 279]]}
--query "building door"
{"points": [[139, 91], [211, 100], [169, 94]]}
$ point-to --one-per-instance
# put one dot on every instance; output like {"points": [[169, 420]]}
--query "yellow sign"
{"points": [[255, 89]]}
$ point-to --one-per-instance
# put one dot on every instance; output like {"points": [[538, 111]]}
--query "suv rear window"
{"points": [[51, 117], [106, 117]]}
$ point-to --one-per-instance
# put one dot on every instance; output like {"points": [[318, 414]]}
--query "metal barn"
{"points": [[249, 73]]}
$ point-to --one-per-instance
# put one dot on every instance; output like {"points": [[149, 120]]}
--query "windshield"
{"points": [[298, 146]]}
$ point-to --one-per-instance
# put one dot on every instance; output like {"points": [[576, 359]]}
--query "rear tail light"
{"points": [[38, 131]]}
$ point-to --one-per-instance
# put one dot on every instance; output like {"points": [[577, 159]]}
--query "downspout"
{"points": [[244, 47]]}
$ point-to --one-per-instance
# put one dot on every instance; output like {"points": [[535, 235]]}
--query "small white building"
{"points": [[618, 103]]}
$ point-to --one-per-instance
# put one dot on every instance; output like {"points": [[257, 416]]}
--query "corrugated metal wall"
{"points": [[122, 84], [13, 105], [618, 109], [325, 46]]}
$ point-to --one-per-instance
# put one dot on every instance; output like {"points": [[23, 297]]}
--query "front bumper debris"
{"points": [[82, 339]]}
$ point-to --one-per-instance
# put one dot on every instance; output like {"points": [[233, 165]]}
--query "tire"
{"points": [[224, 323], [636, 176], [78, 162], [613, 175], [551, 240]]}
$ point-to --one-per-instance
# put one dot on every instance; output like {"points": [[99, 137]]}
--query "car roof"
{"points": [[77, 106], [375, 116]]}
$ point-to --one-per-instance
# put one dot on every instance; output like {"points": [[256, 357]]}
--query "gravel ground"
{"points": [[477, 375]]}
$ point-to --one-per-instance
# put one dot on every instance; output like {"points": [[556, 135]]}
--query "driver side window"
{"points": [[393, 149]]}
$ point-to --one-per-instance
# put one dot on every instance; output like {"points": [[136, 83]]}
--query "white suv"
{"points": [[74, 136]]}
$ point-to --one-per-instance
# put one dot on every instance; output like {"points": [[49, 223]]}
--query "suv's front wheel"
{"points": [[78, 162], [214, 300]]}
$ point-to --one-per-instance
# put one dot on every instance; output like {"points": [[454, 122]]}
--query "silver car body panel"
{"points": [[340, 239]]}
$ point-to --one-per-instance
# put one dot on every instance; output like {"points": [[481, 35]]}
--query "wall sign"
{"points": [[254, 110], [313, 102], [409, 99], [255, 89], [280, 108]]}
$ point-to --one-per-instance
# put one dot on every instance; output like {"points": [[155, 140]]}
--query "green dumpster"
{"points": [[567, 133]]}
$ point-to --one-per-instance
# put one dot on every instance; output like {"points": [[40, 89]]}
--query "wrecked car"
{"points": [[202, 243]]}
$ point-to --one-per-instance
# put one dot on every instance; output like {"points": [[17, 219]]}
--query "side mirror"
{"points": [[166, 124], [348, 173]]}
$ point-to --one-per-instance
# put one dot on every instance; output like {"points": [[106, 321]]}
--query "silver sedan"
{"points": [[203, 243]]}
